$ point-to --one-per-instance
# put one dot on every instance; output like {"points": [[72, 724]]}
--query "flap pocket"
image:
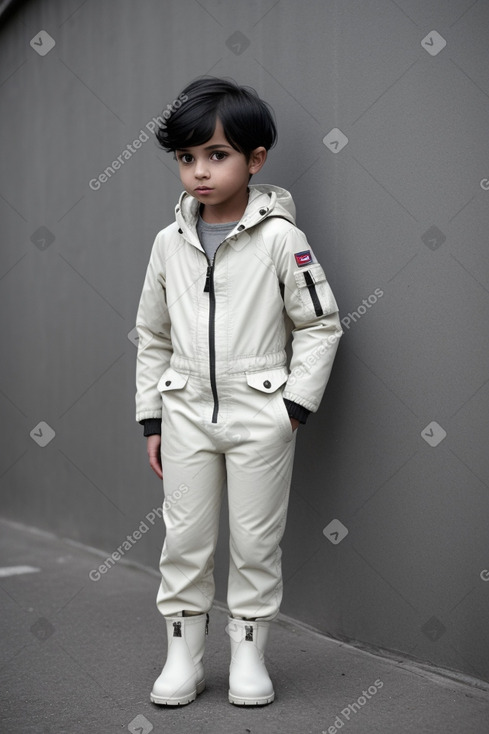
{"points": [[171, 380], [315, 275], [267, 380], [321, 300]]}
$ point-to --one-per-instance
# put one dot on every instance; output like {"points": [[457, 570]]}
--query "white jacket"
{"points": [[230, 316]]}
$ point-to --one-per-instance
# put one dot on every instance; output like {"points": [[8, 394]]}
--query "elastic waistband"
{"points": [[240, 365]]}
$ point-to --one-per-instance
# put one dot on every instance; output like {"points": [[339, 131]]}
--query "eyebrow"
{"points": [[208, 147]]}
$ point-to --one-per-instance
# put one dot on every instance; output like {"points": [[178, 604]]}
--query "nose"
{"points": [[201, 170]]}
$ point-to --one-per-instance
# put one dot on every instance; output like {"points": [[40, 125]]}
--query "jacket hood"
{"points": [[264, 201]]}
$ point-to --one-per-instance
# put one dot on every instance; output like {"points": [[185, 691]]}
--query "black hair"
{"points": [[247, 120]]}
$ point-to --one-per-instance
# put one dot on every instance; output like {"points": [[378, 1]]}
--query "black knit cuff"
{"points": [[151, 426], [296, 411]]}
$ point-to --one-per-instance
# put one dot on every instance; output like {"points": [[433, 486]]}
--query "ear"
{"points": [[258, 157]]}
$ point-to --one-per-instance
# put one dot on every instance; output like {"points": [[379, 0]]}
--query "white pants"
{"points": [[251, 448]]}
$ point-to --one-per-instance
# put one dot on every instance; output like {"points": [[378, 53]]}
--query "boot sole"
{"points": [[240, 701], [182, 701]]}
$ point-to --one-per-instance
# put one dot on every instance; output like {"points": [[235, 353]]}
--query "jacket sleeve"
{"points": [[312, 309], [154, 344]]}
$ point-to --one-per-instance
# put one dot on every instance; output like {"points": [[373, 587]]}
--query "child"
{"points": [[227, 283]]}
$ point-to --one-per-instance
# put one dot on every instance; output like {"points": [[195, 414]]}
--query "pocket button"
{"points": [[267, 384], [168, 383]]}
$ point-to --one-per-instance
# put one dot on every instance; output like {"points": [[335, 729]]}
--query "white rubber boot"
{"points": [[249, 682], [182, 677]]}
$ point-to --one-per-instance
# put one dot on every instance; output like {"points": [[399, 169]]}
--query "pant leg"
{"points": [[259, 471], [193, 479]]}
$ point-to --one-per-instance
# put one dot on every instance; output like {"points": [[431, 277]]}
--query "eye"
{"points": [[219, 155], [184, 158]]}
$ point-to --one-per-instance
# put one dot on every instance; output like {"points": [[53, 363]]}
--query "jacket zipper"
{"points": [[209, 288], [313, 293]]}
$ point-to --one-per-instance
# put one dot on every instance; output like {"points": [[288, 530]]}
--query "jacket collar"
{"points": [[263, 201]]}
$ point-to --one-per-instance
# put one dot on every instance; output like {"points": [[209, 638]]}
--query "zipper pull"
{"points": [[177, 629], [207, 285]]}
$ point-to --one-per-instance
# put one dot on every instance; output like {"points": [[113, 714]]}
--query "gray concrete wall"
{"points": [[399, 218]]}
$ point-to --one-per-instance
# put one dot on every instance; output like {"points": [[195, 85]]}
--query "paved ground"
{"points": [[80, 657]]}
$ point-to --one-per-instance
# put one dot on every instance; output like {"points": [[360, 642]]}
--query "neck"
{"points": [[227, 212]]}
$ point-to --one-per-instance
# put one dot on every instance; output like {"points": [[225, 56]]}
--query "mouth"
{"points": [[202, 189]]}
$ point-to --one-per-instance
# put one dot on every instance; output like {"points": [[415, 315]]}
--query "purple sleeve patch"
{"points": [[303, 258]]}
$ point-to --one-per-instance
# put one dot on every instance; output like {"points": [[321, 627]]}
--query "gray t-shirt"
{"points": [[211, 235]]}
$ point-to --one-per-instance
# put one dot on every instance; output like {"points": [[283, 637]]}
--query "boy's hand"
{"points": [[153, 444], [295, 423]]}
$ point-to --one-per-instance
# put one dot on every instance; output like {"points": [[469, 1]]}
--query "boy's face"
{"points": [[217, 175]]}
